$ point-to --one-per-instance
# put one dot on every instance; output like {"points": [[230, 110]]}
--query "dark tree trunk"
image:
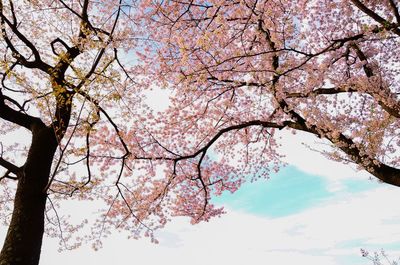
{"points": [[24, 237]]}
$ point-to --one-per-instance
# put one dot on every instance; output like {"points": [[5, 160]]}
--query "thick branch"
{"points": [[393, 110], [383, 172], [395, 10], [85, 18], [37, 63], [204, 149], [375, 16], [9, 166], [16, 117]]}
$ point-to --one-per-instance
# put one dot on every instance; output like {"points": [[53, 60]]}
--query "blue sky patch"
{"points": [[287, 192], [360, 185]]}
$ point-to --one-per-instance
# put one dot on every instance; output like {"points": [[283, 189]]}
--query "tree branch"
{"points": [[375, 16], [393, 108], [16, 117], [10, 166], [395, 10], [383, 172], [37, 63]]}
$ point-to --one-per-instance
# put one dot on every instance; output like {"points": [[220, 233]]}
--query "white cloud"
{"points": [[314, 236], [297, 153], [157, 99]]}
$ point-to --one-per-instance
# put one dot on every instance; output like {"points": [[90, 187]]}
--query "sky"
{"points": [[314, 211]]}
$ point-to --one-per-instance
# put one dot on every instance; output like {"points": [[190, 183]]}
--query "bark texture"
{"points": [[24, 237]]}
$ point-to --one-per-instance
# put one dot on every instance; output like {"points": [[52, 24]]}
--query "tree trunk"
{"points": [[24, 237]]}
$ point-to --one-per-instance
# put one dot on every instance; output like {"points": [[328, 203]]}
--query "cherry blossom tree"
{"points": [[73, 77], [67, 81], [379, 258], [241, 69]]}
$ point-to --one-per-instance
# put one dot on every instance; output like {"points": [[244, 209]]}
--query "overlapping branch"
{"points": [[378, 18]]}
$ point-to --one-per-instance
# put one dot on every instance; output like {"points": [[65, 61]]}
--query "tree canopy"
{"points": [[74, 75], [327, 68]]}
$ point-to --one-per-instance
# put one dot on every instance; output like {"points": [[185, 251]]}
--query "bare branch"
{"points": [[7, 176], [11, 168], [37, 63], [16, 117]]}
